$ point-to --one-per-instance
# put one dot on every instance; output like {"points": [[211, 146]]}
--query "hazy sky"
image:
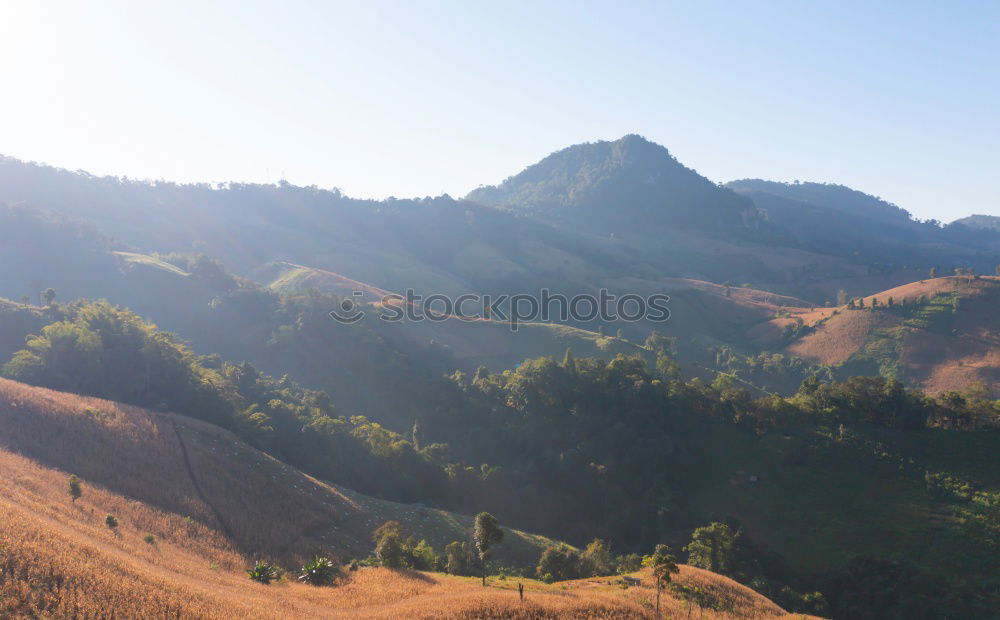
{"points": [[899, 99]]}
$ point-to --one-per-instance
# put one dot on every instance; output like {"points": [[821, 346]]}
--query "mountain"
{"points": [[619, 186]]}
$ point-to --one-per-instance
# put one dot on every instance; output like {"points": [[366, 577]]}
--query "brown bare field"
{"points": [[935, 361], [58, 559], [840, 337]]}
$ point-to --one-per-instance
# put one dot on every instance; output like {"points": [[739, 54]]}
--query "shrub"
{"points": [[264, 572], [319, 571], [111, 521], [149, 539]]}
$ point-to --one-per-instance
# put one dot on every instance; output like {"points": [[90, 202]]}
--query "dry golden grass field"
{"points": [[193, 519]]}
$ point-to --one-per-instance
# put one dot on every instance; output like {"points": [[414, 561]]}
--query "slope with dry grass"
{"points": [[170, 556], [192, 468]]}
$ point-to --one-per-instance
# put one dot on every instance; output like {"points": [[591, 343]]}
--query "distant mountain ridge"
{"points": [[980, 222], [630, 181], [829, 195]]}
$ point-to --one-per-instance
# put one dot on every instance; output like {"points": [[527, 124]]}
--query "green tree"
{"points": [[664, 567], [389, 546], [629, 563], [485, 535], [389, 550], [75, 488], [458, 558], [559, 562], [49, 296], [596, 559], [713, 547], [111, 521], [424, 557]]}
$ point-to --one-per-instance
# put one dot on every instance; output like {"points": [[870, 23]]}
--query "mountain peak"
{"points": [[630, 179]]}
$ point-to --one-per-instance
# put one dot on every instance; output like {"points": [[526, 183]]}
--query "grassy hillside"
{"points": [[191, 468], [195, 507]]}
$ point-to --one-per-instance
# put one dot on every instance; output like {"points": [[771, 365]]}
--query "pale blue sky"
{"points": [[899, 99]]}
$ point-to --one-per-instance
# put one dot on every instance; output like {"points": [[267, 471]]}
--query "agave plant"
{"points": [[264, 572], [319, 571]]}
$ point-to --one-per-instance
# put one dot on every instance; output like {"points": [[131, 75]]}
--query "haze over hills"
{"points": [[803, 240], [776, 378]]}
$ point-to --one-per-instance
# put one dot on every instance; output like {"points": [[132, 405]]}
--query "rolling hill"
{"points": [[195, 506]]}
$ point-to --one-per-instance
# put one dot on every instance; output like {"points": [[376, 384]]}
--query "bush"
{"points": [[319, 571], [264, 572], [111, 521], [149, 539]]}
